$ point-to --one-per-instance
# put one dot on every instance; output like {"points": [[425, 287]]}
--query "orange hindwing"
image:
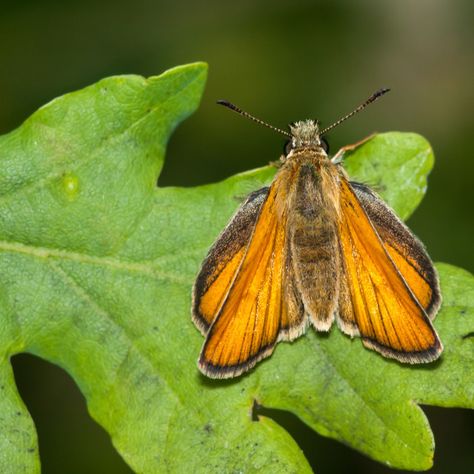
{"points": [[223, 261], [406, 251]]}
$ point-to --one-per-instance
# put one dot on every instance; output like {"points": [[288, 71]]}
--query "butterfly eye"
{"points": [[287, 147], [324, 145]]}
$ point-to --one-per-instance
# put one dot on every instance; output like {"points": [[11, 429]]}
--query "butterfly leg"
{"points": [[338, 157], [278, 163]]}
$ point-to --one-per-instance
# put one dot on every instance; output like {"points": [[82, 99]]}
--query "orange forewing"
{"points": [[381, 304], [254, 311]]}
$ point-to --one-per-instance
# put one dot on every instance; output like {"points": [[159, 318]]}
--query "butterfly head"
{"points": [[305, 133]]}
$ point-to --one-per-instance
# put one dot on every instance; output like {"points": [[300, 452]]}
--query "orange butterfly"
{"points": [[312, 248]]}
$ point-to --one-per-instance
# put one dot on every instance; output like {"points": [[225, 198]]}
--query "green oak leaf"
{"points": [[405, 159], [96, 269]]}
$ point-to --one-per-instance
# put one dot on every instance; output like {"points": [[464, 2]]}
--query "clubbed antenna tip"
{"points": [[362, 106]]}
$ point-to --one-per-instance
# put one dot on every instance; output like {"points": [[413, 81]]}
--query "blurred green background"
{"points": [[281, 61]]}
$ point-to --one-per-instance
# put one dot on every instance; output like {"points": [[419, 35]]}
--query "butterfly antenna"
{"points": [[371, 99], [233, 107]]}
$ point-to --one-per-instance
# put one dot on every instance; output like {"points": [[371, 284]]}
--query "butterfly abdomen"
{"points": [[314, 245]]}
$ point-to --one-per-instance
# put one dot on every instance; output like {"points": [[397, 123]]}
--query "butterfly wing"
{"points": [[262, 304], [223, 261], [406, 251], [375, 300]]}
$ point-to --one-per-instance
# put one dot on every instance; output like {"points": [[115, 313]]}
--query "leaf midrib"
{"points": [[111, 262]]}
